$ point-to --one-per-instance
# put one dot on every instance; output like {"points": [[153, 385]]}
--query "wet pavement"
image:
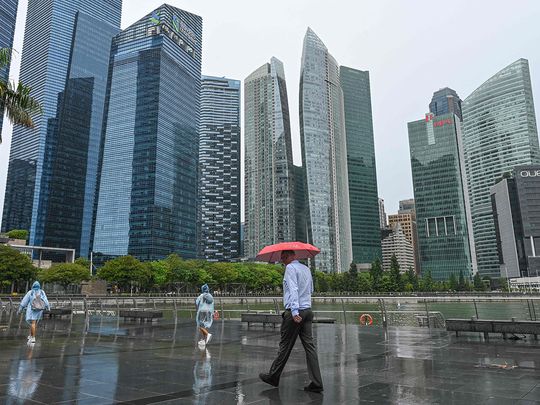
{"points": [[104, 361]]}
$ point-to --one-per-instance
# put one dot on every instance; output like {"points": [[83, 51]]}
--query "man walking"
{"points": [[297, 320]]}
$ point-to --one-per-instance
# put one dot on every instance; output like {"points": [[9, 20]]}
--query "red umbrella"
{"points": [[272, 253]]}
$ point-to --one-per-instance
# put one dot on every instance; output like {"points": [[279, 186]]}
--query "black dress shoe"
{"points": [[313, 388], [267, 379]]}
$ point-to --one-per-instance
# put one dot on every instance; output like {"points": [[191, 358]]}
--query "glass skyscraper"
{"points": [[147, 202], [363, 196], [8, 16], [440, 196], [219, 169], [324, 156], [52, 170], [446, 101], [269, 172], [499, 133]]}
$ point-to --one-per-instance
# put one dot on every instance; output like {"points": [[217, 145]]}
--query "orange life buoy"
{"points": [[366, 319], [216, 315]]}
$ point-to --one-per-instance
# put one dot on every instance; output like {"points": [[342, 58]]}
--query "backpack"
{"points": [[37, 303], [207, 298]]}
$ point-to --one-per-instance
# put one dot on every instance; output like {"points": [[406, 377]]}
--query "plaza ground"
{"points": [[103, 360]]}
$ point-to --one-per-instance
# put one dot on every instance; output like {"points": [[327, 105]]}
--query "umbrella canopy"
{"points": [[272, 253]]}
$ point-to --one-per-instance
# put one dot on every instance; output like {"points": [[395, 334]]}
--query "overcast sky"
{"points": [[411, 48]]}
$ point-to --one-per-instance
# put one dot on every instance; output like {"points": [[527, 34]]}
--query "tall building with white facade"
{"points": [[269, 171], [394, 241], [499, 133], [324, 156], [382, 214], [219, 170]]}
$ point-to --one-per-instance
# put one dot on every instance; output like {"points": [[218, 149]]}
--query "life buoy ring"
{"points": [[366, 319], [216, 315]]}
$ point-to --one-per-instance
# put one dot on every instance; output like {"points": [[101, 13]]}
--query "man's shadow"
{"points": [[275, 398]]}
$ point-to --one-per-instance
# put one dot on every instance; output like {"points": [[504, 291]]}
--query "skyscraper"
{"points": [[53, 167], [383, 223], [147, 204], [362, 173], [324, 155], [440, 196], [269, 173], [8, 16], [219, 169], [446, 101], [300, 203], [499, 132], [407, 223], [394, 242]]}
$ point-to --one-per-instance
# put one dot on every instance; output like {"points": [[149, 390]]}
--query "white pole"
{"points": [[91, 262]]}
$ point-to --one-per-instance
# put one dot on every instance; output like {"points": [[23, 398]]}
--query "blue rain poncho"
{"points": [[32, 314], [205, 308]]}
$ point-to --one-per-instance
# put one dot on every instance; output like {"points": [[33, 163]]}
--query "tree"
{"points": [[14, 267], [453, 282], [411, 278], [478, 283], [18, 234], [15, 99], [160, 273], [125, 271], [395, 275], [352, 278], [461, 283], [65, 274], [426, 282], [376, 273], [365, 283]]}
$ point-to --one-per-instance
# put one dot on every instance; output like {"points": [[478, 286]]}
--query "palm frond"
{"points": [[19, 105], [5, 56]]}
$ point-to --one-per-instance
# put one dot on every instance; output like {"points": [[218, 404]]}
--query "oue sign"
{"points": [[530, 173]]}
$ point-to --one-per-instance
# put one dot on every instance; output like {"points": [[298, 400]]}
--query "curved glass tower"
{"points": [[324, 154], [269, 172], [499, 132]]}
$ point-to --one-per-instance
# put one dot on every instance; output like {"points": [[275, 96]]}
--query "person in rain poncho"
{"points": [[35, 301], [205, 314]]}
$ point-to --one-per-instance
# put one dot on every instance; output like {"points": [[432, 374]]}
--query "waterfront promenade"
{"points": [[100, 360]]}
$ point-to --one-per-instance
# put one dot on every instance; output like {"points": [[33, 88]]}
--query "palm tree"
{"points": [[19, 105]]}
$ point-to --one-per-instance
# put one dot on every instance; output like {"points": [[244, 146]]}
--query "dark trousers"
{"points": [[289, 332]]}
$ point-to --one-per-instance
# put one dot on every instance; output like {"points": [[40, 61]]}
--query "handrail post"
{"points": [[383, 314], [475, 308], [427, 315], [344, 311]]}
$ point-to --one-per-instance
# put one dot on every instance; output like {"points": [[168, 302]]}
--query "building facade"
{"points": [[362, 173], [219, 170], [516, 211], [53, 166], [395, 242], [147, 203], [446, 101], [499, 133], [300, 203], [8, 17], [324, 155], [269, 172], [439, 195], [407, 223], [383, 223]]}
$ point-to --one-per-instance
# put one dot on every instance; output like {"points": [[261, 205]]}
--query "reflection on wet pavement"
{"points": [[101, 360]]}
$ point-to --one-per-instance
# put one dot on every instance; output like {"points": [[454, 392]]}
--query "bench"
{"points": [[54, 312], [141, 314], [493, 326], [264, 318]]}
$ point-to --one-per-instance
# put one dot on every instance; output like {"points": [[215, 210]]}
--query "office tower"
{"points": [[407, 223], [499, 133], [406, 206], [300, 203], [516, 211], [219, 170], [147, 203], [269, 172], [395, 242], [446, 101], [440, 196], [324, 155], [362, 174], [382, 214], [8, 16], [52, 171]]}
